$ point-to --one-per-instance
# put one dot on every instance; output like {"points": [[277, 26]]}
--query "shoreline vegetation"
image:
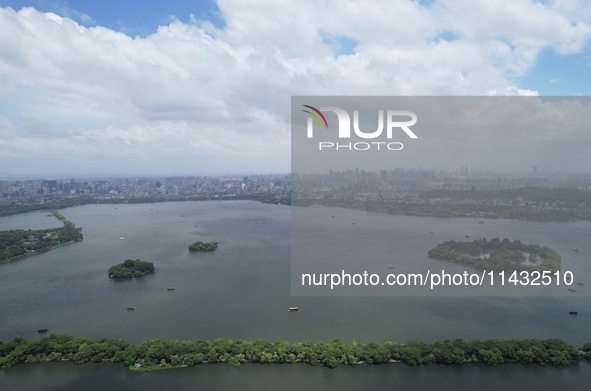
{"points": [[457, 208], [528, 203], [201, 247], [17, 244], [497, 254], [157, 354], [131, 268]]}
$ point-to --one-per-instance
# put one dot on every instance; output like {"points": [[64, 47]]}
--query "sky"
{"points": [[204, 87]]}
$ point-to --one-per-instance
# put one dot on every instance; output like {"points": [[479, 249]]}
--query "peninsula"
{"points": [[19, 243]]}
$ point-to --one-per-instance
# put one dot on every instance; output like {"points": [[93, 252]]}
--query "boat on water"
{"points": [[42, 330], [391, 267], [481, 222], [430, 232], [170, 288], [130, 308], [293, 309], [121, 238], [466, 236], [580, 283], [573, 313], [572, 290], [577, 249]]}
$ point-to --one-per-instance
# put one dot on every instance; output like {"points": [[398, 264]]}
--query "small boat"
{"points": [[293, 309], [130, 308], [580, 283], [430, 232], [391, 267], [170, 288], [42, 330], [121, 238], [481, 222], [573, 313], [332, 216], [577, 249], [572, 290], [466, 236]]}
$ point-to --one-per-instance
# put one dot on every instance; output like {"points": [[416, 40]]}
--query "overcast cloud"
{"points": [[195, 99]]}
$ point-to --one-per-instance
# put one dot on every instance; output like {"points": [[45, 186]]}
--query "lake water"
{"points": [[113, 377], [242, 291]]}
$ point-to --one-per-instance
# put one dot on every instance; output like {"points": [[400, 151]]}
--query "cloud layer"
{"points": [[192, 98]]}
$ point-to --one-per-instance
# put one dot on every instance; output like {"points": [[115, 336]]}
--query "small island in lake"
{"points": [[200, 246], [497, 254], [131, 268]]}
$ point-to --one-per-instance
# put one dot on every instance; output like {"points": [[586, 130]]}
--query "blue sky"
{"points": [[132, 17], [552, 73], [150, 86]]}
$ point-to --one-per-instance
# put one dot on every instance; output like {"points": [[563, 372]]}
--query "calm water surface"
{"points": [[242, 291]]}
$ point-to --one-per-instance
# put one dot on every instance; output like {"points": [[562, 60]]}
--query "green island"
{"points": [[157, 354], [18, 243], [497, 254], [200, 246], [131, 268]]}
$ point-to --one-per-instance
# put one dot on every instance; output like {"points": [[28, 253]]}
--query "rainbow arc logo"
{"points": [[317, 115]]}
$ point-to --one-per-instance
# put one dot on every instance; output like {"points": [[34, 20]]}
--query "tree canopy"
{"points": [[200, 246], [161, 354], [497, 254], [131, 268]]}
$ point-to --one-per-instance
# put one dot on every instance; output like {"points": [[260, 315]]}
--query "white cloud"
{"points": [[194, 90]]}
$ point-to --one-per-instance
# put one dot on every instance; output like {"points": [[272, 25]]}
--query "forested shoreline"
{"points": [[19, 243], [157, 354]]}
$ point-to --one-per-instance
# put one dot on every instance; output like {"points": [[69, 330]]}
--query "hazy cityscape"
{"points": [[148, 188], [397, 184]]}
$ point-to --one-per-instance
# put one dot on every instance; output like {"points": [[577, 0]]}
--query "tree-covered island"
{"points": [[131, 268], [200, 246], [18, 243], [497, 254]]}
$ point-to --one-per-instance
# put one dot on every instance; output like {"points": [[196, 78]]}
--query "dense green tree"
{"points": [[160, 354], [131, 268], [200, 246]]}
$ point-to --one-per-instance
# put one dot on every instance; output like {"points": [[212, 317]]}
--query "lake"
{"points": [[242, 291]]}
